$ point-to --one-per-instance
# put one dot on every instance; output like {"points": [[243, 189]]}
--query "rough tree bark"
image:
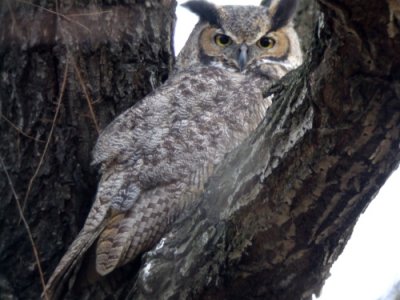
{"points": [[113, 53], [278, 211]]}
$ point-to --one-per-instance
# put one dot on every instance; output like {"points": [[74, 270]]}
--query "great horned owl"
{"points": [[156, 156]]}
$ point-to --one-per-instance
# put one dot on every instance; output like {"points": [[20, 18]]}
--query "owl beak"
{"points": [[242, 59]]}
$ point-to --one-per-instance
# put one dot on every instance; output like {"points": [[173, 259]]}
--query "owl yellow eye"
{"points": [[222, 40], [266, 42]]}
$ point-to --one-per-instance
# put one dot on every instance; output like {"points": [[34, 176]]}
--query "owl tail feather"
{"points": [[64, 276], [114, 242]]}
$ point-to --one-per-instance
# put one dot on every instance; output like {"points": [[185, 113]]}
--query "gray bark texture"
{"points": [[278, 211]]}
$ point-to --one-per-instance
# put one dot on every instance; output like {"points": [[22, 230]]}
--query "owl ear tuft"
{"points": [[205, 10], [281, 12], [266, 3]]}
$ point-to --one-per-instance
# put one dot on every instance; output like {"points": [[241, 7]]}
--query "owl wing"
{"points": [[142, 209], [138, 213], [130, 233]]}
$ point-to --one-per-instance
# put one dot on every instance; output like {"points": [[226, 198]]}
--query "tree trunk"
{"points": [[278, 211], [67, 69]]}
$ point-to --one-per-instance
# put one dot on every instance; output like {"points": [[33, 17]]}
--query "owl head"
{"points": [[243, 39]]}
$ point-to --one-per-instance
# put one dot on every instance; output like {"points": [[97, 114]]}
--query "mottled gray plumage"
{"points": [[157, 155]]}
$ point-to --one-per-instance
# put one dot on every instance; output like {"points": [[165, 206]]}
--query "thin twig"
{"points": [[53, 125], [19, 130], [56, 13], [28, 230], [88, 99], [91, 13]]}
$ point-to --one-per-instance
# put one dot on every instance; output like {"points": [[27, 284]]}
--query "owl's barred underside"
{"points": [[156, 157]]}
